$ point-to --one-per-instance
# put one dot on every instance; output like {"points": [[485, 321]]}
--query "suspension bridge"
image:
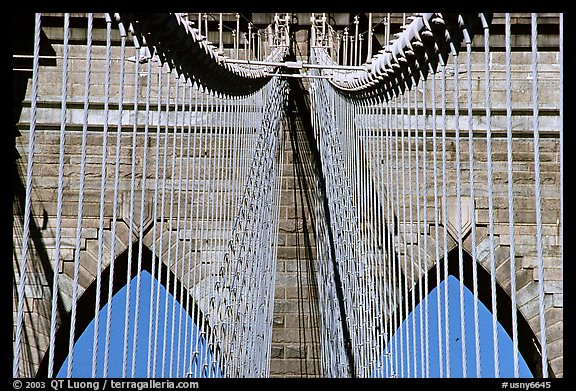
{"points": [[300, 195]]}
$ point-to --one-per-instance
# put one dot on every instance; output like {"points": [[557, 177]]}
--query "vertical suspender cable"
{"points": [[445, 220], [380, 278], [80, 198], [209, 229], [115, 206], [215, 216], [436, 227], [154, 315], [193, 264], [225, 139], [357, 299], [472, 201], [174, 346], [459, 213], [411, 201], [245, 254], [161, 251], [130, 238], [248, 231], [363, 235], [192, 303], [176, 336], [238, 158], [373, 346], [205, 16], [388, 325], [169, 350], [369, 43], [233, 154], [511, 196], [391, 330], [28, 200], [356, 39], [378, 264], [237, 39], [228, 170], [371, 341], [141, 219], [186, 228], [345, 46], [220, 28], [102, 187], [60, 194], [177, 257], [426, 227], [203, 227], [410, 355], [218, 218], [403, 233], [197, 260], [543, 344], [392, 319], [187, 237], [399, 296], [162, 203], [358, 250], [370, 325], [490, 199], [421, 270], [200, 229], [377, 244], [172, 257]]}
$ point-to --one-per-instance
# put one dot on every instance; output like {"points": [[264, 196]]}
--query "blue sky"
{"points": [[177, 362], [505, 346], [169, 362]]}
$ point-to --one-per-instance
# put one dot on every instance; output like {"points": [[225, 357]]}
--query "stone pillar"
{"points": [[295, 332]]}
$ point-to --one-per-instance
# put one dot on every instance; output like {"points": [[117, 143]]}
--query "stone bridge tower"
{"points": [[296, 338]]}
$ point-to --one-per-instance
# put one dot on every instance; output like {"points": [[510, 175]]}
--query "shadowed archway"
{"points": [[528, 344], [87, 301]]}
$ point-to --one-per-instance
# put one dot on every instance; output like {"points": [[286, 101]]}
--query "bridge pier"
{"points": [[296, 338]]}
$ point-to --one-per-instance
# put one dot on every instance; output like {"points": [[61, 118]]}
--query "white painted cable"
{"points": [[514, 309], [102, 194], [436, 225], [537, 190], [445, 220], [169, 258], [56, 268], [472, 212], [28, 200], [130, 238], [459, 216], [73, 309], [153, 326], [135, 342], [487, 67], [115, 202]]}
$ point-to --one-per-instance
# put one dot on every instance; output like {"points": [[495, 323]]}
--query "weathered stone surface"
{"points": [[295, 325]]}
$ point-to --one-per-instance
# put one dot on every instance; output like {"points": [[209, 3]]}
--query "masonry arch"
{"points": [[87, 301], [528, 343]]}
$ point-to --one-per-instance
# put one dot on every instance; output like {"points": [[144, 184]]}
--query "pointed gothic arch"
{"points": [[528, 343], [87, 301]]}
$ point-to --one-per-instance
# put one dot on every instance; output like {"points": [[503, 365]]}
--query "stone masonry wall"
{"points": [[295, 350]]}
